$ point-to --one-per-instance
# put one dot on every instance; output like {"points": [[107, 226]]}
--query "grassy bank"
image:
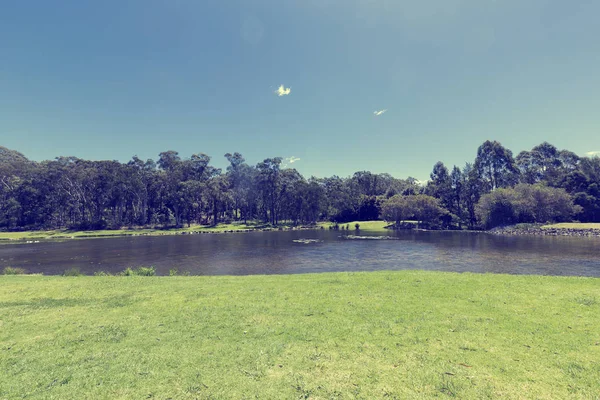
{"points": [[220, 228], [371, 226], [573, 225], [346, 335], [71, 234]]}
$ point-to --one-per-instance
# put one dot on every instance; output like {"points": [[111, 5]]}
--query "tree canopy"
{"points": [[539, 185]]}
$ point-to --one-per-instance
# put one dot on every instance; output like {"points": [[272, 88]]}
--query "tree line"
{"points": [[540, 185]]}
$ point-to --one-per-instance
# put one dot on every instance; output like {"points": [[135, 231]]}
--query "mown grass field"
{"points": [[379, 226], [573, 225], [389, 335]]}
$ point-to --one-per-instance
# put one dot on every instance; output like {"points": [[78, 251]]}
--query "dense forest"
{"points": [[541, 185]]}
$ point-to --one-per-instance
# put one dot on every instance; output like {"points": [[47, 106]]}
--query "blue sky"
{"points": [[110, 79]]}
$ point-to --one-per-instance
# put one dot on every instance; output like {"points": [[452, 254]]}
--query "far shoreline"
{"points": [[556, 230]]}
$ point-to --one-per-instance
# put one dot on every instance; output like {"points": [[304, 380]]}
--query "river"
{"points": [[281, 253]]}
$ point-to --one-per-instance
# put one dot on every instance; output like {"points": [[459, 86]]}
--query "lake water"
{"points": [[277, 253]]}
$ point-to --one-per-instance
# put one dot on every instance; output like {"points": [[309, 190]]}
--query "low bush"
{"points": [[72, 272], [139, 271], [14, 271]]}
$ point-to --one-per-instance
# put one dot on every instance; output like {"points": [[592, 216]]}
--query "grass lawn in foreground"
{"points": [[573, 225], [400, 335]]}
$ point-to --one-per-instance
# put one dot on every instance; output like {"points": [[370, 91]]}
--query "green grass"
{"points": [[385, 335], [70, 234], [573, 225], [220, 228], [373, 226]]}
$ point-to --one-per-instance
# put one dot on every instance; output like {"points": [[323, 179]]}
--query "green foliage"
{"points": [[75, 271], [127, 272], [495, 166], [145, 271], [189, 191], [102, 273], [525, 204], [415, 207], [139, 271], [173, 272], [14, 271]]}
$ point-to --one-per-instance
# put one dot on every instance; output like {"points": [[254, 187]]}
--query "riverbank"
{"points": [[562, 229], [63, 234], [406, 334]]}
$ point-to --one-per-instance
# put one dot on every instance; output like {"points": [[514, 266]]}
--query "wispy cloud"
{"points": [[283, 91], [380, 112], [592, 153], [289, 160]]}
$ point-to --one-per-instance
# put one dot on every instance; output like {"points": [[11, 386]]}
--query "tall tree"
{"points": [[269, 185], [440, 185], [456, 186], [495, 166], [235, 172]]}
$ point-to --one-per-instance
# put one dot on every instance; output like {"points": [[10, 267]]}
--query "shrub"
{"points": [[127, 272], [14, 271], [412, 207], [102, 273], [139, 271], [145, 271], [173, 272], [72, 272], [525, 204]]}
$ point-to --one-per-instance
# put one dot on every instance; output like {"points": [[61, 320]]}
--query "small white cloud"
{"points": [[378, 113], [283, 91], [592, 153], [289, 160]]}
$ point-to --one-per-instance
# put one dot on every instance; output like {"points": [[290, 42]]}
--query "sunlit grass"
{"points": [[402, 334], [573, 225], [379, 226], [67, 234]]}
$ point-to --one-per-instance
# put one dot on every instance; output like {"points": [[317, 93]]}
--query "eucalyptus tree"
{"points": [[495, 166], [235, 173], [269, 185], [457, 185], [472, 190], [440, 184]]}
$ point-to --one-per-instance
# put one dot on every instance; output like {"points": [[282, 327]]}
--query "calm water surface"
{"points": [[277, 253]]}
